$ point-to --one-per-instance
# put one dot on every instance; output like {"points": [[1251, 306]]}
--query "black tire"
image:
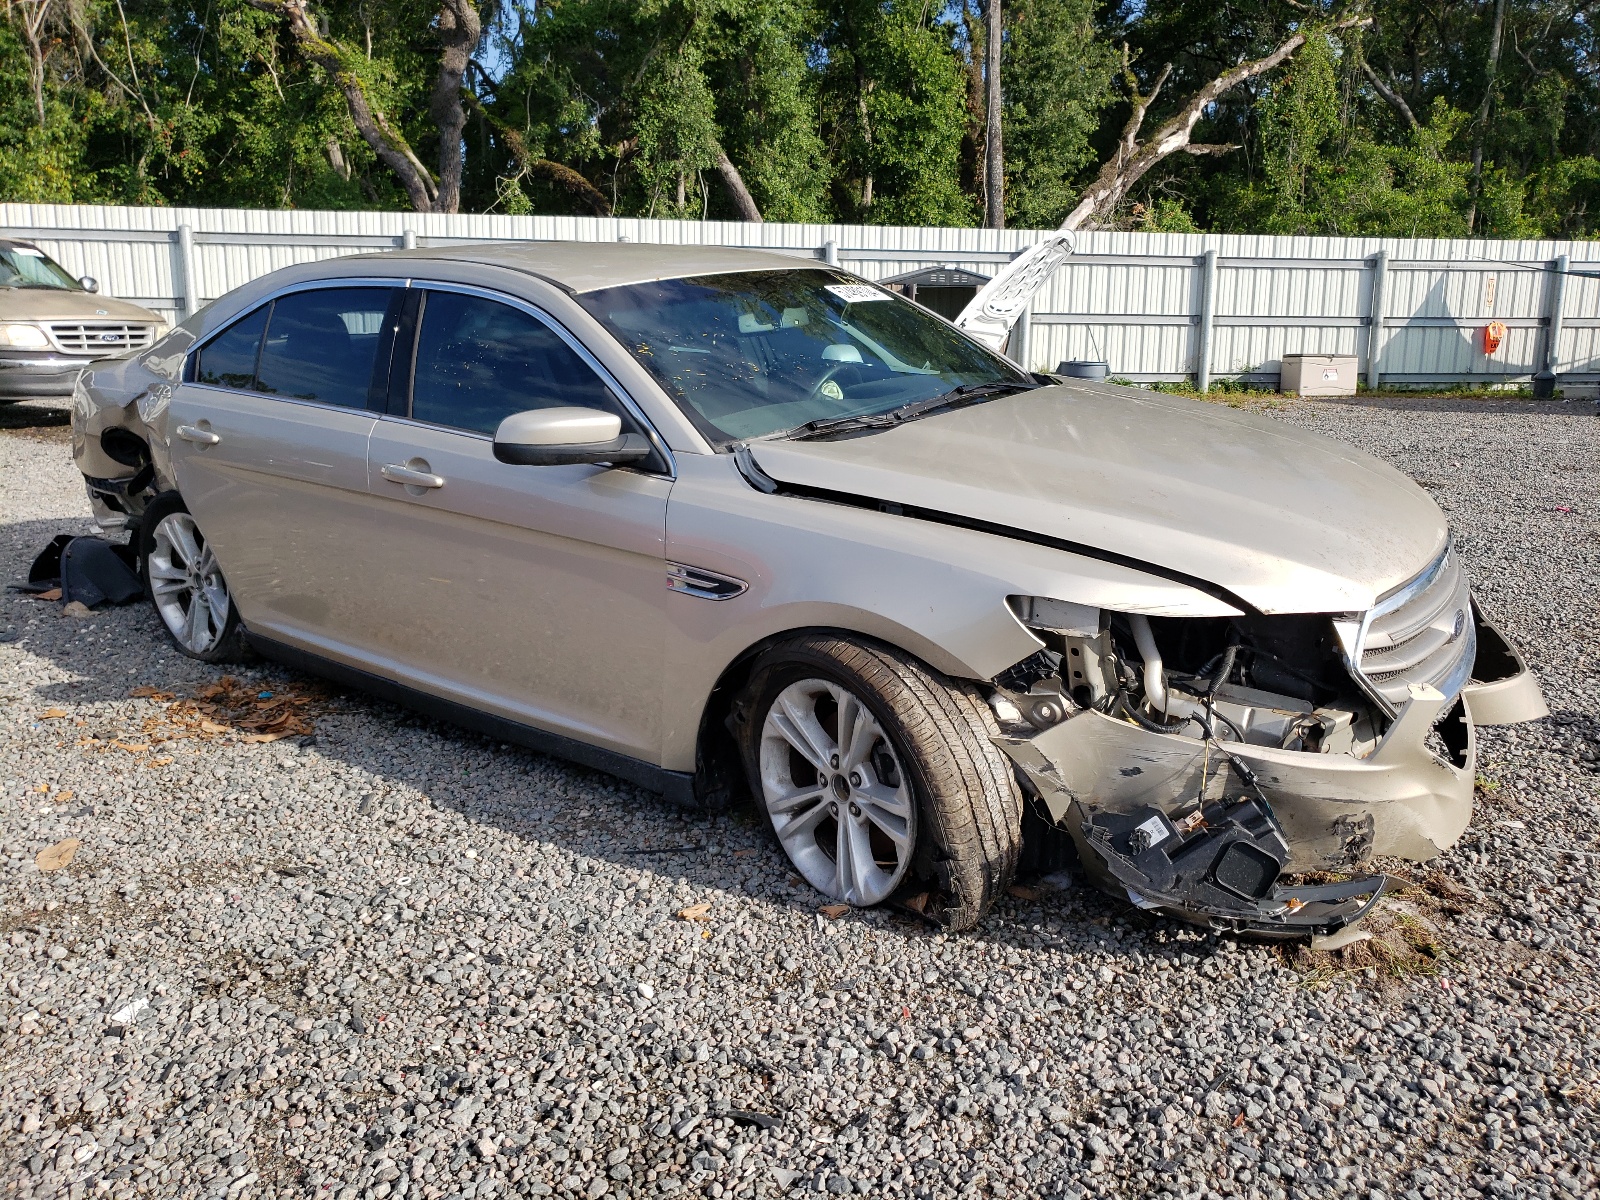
{"points": [[969, 805], [230, 644]]}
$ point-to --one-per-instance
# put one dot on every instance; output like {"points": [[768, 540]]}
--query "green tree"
{"points": [[1057, 75], [895, 113]]}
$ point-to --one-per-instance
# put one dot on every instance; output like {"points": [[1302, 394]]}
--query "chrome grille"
{"points": [[1424, 634], [100, 338]]}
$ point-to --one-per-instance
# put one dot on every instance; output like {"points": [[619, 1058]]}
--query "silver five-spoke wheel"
{"points": [[186, 584], [833, 786]]}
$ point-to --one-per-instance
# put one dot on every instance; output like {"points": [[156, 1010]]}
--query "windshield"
{"points": [[25, 267], [754, 353]]}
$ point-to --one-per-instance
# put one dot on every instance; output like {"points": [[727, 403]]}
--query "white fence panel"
{"points": [[1132, 300]]}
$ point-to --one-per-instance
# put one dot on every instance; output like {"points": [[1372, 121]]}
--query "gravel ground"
{"points": [[395, 960]]}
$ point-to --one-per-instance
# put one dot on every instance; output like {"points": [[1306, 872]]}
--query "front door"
{"points": [[269, 449], [532, 592]]}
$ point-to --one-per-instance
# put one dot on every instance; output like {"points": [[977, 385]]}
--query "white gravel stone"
{"points": [[397, 960]]}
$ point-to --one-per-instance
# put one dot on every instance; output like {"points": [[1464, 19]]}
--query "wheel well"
{"points": [[719, 778]]}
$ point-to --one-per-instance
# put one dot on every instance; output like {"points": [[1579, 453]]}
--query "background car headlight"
{"points": [[23, 337]]}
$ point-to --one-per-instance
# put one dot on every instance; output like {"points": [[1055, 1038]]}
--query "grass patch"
{"points": [[1407, 936]]}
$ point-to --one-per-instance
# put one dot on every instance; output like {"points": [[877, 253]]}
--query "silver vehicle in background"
{"points": [[717, 520]]}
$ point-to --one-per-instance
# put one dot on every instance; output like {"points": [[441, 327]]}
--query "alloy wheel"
{"points": [[186, 584], [834, 788]]}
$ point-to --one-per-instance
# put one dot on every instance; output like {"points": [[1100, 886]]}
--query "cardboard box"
{"points": [[1319, 375]]}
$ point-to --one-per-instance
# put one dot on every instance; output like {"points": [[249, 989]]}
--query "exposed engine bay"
{"points": [[1199, 763]]}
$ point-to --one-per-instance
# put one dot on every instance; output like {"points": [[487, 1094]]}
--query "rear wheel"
{"points": [[877, 774], [183, 580]]}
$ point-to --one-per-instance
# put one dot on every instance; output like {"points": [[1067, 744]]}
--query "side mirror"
{"points": [[89, 283], [548, 437]]}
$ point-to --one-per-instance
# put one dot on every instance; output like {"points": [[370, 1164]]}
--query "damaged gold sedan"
{"points": [[719, 521]]}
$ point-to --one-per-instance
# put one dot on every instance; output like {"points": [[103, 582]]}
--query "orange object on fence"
{"points": [[1493, 334]]}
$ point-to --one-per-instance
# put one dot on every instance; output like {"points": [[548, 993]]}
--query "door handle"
{"points": [[201, 437], [395, 473]]}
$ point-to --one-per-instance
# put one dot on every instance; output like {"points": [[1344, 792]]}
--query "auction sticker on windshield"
{"points": [[856, 293]]}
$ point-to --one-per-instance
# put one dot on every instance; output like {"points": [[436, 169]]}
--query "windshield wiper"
{"points": [[967, 393]]}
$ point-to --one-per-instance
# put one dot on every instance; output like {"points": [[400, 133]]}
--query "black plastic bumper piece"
{"points": [[1219, 866]]}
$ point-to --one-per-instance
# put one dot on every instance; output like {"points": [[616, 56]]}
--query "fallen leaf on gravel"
{"points": [[53, 858], [918, 903], [150, 693], [62, 797], [263, 737], [696, 912], [52, 714], [1238, 1122], [743, 853], [132, 747], [52, 594], [77, 608], [213, 727], [834, 911], [1023, 893], [159, 762]]}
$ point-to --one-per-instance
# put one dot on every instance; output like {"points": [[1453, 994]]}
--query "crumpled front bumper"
{"points": [[1132, 796]]}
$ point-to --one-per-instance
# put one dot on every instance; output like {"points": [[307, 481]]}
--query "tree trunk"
{"points": [[1492, 71], [990, 314], [742, 199], [556, 173], [994, 168], [1133, 157], [459, 29], [336, 159], [385, 141], [1391, 96], [33, 21]]}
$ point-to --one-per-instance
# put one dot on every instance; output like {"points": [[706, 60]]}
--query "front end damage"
{"points": [[1200, 764]]}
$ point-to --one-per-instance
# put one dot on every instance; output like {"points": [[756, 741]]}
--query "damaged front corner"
{"points": [[1205, 830]]}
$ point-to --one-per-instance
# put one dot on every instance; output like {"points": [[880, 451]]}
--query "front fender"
{"points": [[936, 592]]}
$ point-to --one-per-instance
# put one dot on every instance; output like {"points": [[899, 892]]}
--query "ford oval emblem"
{"points": [[110, 337]]}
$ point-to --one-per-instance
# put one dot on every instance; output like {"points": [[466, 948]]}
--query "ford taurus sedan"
{"points": [[719, 521]]}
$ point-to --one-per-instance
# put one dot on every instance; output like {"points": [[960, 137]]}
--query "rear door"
{"points": [[269, 445], [536, 593]]}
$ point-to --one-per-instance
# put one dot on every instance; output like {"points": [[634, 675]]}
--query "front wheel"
{"points": [[877, 773], [183, 580]]}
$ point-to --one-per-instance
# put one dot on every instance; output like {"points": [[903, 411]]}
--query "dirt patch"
{"points": [[37, 422]]}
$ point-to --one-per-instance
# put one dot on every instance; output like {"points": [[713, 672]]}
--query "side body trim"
{"points": [[676, 786]]}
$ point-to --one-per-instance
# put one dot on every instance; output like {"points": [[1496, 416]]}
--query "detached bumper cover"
{"points": [[1221, 871], [1209, 818]]}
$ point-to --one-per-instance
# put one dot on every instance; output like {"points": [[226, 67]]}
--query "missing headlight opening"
{"points": [[1200, 762]]}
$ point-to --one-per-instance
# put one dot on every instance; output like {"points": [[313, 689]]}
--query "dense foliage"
{"points": [[1440, 118]]}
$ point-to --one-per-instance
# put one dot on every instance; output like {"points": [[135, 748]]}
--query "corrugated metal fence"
{"points": [[1154, 306]]}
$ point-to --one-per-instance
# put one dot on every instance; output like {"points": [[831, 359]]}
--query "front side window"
{"points": [[753, 353], [321, 345], [229, 359], [478, 361], [27, 267]]}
